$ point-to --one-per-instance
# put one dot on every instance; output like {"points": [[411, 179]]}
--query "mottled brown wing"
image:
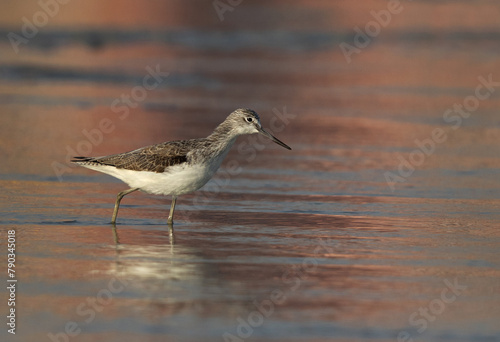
{"points": [[153, 158]]}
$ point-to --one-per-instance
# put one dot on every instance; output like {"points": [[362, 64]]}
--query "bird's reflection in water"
{"points": [[147, 255], [171, 234], [164, 277]]}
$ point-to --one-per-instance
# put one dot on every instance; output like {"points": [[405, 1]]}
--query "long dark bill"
{"points": [[273, 138]]}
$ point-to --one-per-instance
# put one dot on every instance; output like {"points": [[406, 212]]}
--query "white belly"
{"points": [[178, 180]]}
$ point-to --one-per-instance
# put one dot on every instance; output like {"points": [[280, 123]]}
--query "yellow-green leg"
{"points": [[117, 203], [170, 220]]}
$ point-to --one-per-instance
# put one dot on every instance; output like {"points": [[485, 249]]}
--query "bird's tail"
{"points": [[82, 160]]}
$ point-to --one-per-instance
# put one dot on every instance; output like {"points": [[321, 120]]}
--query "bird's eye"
{"points": [[249, 119]]}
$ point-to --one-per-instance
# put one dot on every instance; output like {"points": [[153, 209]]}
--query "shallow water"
{"points": [[374, 226]]}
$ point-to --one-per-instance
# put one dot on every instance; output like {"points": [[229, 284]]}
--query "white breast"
{"points": [[176, 180]]}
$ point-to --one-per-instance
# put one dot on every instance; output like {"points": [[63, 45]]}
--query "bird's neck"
{"points": [[222, 139], [224, 130], [223, 135]]}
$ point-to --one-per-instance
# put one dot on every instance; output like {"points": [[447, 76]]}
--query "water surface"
{"points": [[357, 234]]}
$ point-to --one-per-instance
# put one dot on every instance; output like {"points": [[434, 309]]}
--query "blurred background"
{"points": [[391, 109]]}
